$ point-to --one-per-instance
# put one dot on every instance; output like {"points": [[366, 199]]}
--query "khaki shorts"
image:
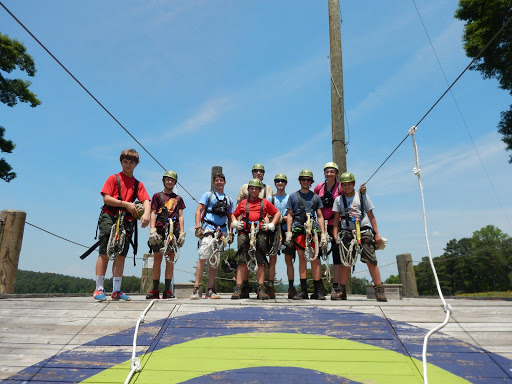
{"points": [[105, 223], [368, 246], [261, 248], [206, 246]]}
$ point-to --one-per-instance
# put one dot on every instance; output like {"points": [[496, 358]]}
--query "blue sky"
{"points": [[232, 83]]}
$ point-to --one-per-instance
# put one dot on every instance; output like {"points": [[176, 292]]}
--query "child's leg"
{"points": [[241, 271], [316, 269], [289, 266], [169, 267], [374, 273], [101, 265], [260, 274], [157, 262], [199, 271], [345, 274], [118, 266], [212, 273], [303, 266], [272, 260]]}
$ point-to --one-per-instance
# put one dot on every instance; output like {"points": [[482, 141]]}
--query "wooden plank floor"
{"points": [[73, 339]]}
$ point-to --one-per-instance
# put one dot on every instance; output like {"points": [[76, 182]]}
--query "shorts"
{"points": [[335, 248], [299, 237], [368, 246], [261, 248], [206, 246], [161, 232], [105, 223], [284, 251]]}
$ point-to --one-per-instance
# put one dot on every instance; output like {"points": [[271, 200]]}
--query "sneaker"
{"points": [[211, 294], [196, 294], [271, 292], [168, 295], [153, 295], [118, 295], [335, 295], [236, 293], [303, 295], [262, 295], [292, 292], [99, 295], [246, 289], [379, 293]]}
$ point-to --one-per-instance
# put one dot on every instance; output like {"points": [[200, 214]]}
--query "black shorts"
{"points": [[105, 223]]}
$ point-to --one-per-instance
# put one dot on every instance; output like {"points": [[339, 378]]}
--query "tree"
{"points": [[13, 56], [484, 18]]}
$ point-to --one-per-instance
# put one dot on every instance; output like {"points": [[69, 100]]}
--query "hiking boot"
{"points": [[196, 294], [246, 289], [99, 295], [292, 292], [343, 291], [168, 295], [211, 294], [271, 292], [318, 295], [335, 295], [153, 295], [379, 293], [237, 293], [322, 286], [303, 295], [118, 295], [262, 295]]}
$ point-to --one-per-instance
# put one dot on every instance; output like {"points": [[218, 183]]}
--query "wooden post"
{"points": [[146, 281], [215, 169], [407, 276], [13, 224]]}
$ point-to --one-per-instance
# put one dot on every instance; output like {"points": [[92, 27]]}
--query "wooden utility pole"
{"points": [[337, 108], [406, 275], [12, 224]]}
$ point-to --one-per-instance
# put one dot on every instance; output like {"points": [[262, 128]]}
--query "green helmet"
{"points": [[171, 174], [258, 166], [331, 164], [306, 173], [255, 183], [281, 176], [347, 177]]}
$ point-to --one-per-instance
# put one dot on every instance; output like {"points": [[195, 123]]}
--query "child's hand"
{"points": [[144, 220], [362, 188]]}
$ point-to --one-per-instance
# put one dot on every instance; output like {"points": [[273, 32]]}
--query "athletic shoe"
{"points": [[118, 295], [292, 292], [236, 292], [153, 295], [211, 294], [300, 296], [99, 295], [168, 295], [196, 294], [262, 295]]}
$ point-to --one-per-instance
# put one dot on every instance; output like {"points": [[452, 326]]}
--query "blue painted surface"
{"points": [[460, 358]]}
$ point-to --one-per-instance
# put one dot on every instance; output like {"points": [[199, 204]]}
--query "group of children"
{"points": [[259, 216]]}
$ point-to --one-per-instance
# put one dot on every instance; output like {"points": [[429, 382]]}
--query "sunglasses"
{"points": [[258, 171], [306, 179], [280, 181]]}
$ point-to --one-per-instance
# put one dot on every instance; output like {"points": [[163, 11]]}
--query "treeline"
{"points": [[44, 282], [481, 263]]}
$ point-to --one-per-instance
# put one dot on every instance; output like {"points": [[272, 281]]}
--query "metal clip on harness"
{"points": [[170, 243], [117, 237]]}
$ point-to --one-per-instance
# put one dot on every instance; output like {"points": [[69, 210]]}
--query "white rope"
{"points": [[135, 364], [446, 307]]}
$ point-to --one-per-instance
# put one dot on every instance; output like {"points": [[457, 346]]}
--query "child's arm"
{"points": [[321, 222], [199, 211], [336, 219], [152, 219], [144, 220], [289, 220], [373, 222], [181, 220], [276, 218]]}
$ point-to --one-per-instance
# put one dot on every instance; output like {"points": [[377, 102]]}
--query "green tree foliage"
{"points": [[392, 280], [359, 285], [481, 263], [13, 56], [483, 19]]}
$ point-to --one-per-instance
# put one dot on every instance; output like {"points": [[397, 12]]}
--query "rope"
{"points": [[53, 234], [446, 307], [89, 93], [135, 364]]}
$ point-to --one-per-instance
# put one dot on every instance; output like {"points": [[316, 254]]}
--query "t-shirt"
{"points": [[172, 202], [312, 202], [280, 202], [217, 220], [336, 191], [354, 210], [255, 209], [127, 184], [244, 192]]}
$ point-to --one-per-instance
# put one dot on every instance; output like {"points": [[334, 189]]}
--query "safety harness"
{"points": [[128, 217], [220, 208], [246, 220]]}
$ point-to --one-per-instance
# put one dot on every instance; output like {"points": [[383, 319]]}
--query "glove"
{"points": [[181, 239], [140, 210], [288, 240], [230, 238], [199, 233], [382, 245], [362, 189], [268, 227], [154, 237], [323, 241], [237, 225]]}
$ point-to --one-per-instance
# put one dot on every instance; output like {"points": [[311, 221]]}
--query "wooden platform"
{"points": [[73, 339]]}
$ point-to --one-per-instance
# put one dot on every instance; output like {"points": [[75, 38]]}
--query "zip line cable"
{"points": [[90, 94], [460, 113], [53, 234], [443, 95]]}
